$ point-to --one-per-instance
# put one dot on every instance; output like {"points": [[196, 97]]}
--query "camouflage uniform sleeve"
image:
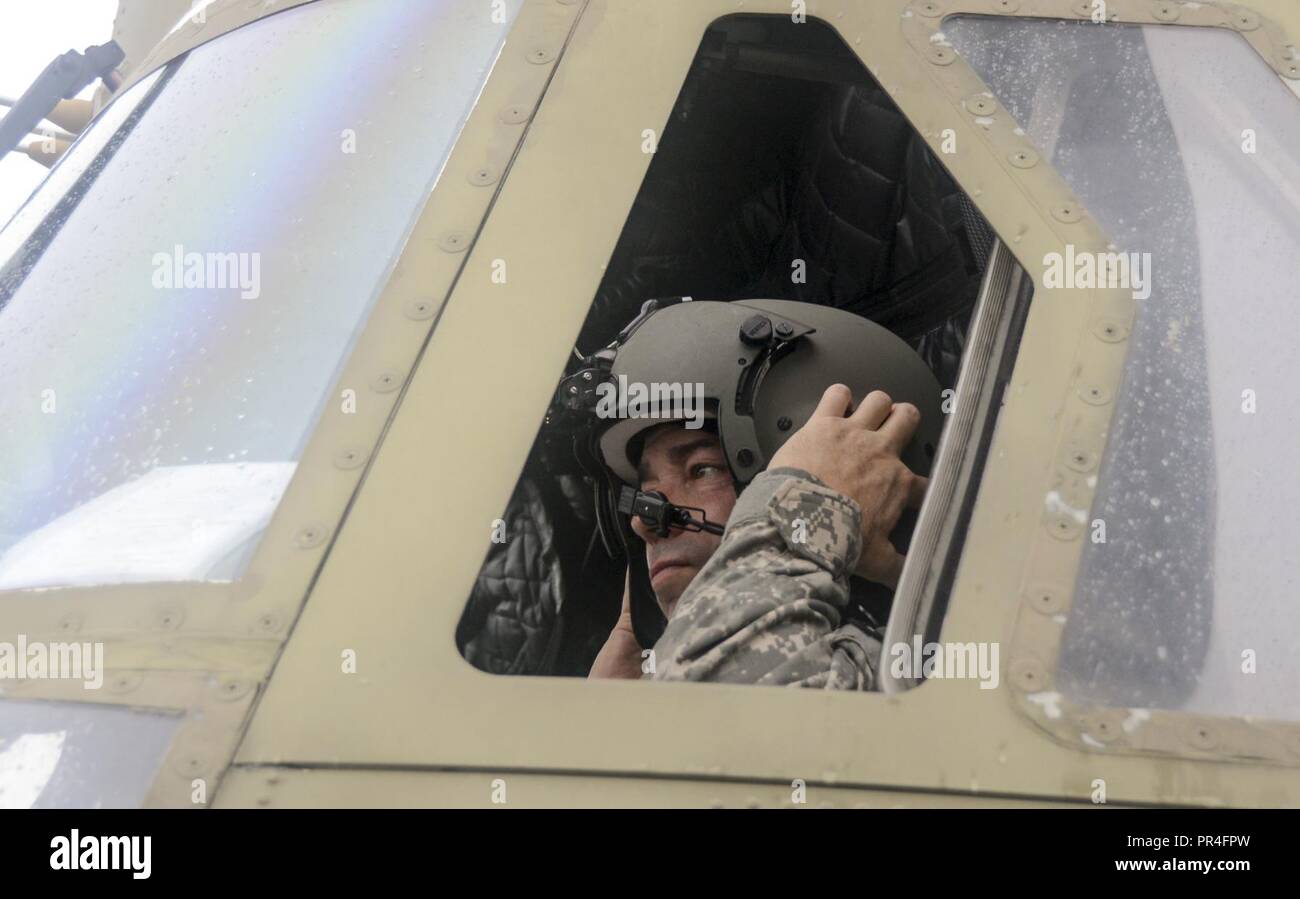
{"points": [[766, 607]]}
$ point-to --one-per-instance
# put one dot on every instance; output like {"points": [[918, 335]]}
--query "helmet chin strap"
{"points": [[648, 620]]}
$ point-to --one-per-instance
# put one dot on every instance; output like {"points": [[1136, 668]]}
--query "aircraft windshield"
{"points": [[1185, 145], [77, 755], [178, 297]]}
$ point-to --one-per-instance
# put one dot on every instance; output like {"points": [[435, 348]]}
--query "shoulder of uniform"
{"points": [[815, 521]]}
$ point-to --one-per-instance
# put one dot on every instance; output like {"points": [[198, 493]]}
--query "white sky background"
{"points": [[32, 33]]}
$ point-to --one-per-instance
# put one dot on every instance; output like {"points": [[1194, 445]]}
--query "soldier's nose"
{"points": [[639, 528], [649, 534], [644, 531]]}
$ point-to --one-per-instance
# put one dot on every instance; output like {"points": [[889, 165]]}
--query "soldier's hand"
{"points": [[858, 455], [620, 657]]}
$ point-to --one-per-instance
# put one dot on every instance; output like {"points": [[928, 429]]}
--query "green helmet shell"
{"points": [[761, 367]]}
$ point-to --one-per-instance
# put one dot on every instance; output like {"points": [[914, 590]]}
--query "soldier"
{"points": [[766, 600]]}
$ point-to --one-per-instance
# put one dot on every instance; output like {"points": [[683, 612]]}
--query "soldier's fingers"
{"points": [[884, 567], [874, 410], [916, 491], [900, 426], [895, 570], [834, 402]]}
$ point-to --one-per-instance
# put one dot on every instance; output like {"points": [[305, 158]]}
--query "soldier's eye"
{"points": [[705, 469]]}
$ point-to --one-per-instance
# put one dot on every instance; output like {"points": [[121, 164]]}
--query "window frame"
{"points": [[992, 343]]}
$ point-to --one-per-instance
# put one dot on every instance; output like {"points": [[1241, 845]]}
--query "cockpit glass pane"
{"points": [[168, 341], [1185, 145]]}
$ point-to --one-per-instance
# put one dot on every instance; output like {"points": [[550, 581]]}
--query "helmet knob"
{"points": [[756, 330]]}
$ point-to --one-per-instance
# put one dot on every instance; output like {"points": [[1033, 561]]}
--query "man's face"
{"points": [[688, 467]]}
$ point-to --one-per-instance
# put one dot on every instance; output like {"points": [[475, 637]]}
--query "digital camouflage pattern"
{"points": [[766, 609]]}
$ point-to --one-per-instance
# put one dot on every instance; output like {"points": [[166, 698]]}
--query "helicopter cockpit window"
{"points": [[80, 755], [162, 380], [1185, 145], [785, 172]]}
